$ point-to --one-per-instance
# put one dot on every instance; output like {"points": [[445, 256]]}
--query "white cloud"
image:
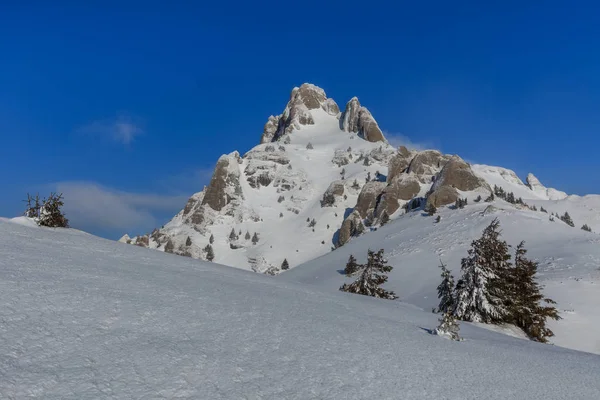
{"points": [[122, 129], [398, 139], [95, 208]]}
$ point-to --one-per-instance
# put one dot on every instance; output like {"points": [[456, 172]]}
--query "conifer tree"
{"points": [[255, 238], [438, 219], [210, 253], [309, 146], [566, 218], [480, 293], [445, 290], [525, 308], [285, 265], [351, 266], [370, 276], [448, 326], [247, 237], [355, 185], [478, 199], [490, 198], [586, 228], [188, 241], [542, 209], [232, 235], [211, 240], [51, 214]]}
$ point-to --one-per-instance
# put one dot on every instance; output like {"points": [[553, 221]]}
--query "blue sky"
{"points": [[125, 106]]}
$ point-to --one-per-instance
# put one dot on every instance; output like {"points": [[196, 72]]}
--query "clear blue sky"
{"points": [[127, 105]]}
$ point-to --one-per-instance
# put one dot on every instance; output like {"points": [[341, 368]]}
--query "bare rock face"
{"points": [[331, 107], [442, 196], [297, 112], [352, 226], [335, 189], [458, 174], [367, 199], [225, 183], [358, 119], [398, 163], [404, 187], [426, 164]]}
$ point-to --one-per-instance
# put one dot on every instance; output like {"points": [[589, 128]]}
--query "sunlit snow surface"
{"points": [[85, 318]]}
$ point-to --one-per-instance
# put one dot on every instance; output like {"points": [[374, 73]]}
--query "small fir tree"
{"points": [[50, 213], [445, 290], [478, 199], [255, 238], [566, 218], [542, 209], [351, 266], [309, 146], [211, 240], [188, 241], [370, 277], [285, 265], [481, 291], [586, 228], [247, 237], [232, 235], [490, 198], [526, 310], [448, 326], [438, 219], [355, 185], [210, 253]]}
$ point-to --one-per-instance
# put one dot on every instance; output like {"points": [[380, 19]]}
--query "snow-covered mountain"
{"points": [[87, 318], [319, 178]]}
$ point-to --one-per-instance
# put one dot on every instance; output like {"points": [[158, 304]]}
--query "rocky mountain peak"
{"points": [[358, 119]]}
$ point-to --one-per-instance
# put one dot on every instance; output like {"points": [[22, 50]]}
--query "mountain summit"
{"points": [[319, 177]]}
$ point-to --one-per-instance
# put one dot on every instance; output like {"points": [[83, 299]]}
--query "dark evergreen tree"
{"points": [[280, 199], [351, 266], [370, 276], [188, 241], [478, 199], [211, 240], [586, 228], [280, 215], [566, 218], [542, 209], [169, 246], [446, 290], [247, 237], [355, 185], [255, 238], [448, 326], [534, 208], [285, 265], [481, 291], [368, 176], [210, 253], [490, 198], [232, 235], [525, 308], [438, 219], [50, 213], [312, 223], [309, 146]]}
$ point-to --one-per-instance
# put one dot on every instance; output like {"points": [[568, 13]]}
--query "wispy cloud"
{"points": [[98, 209], [398, 139], [122, 129]]}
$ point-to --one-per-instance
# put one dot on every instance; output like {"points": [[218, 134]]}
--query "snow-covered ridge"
{"points": [[86, 318]]}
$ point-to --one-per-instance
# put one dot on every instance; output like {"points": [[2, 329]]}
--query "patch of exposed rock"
{"points": [[335, 189], [458, 174], [403, 187], [368, 197], [399, 163], [426, 164], [358, 119], [352, 226], [224, 185]]}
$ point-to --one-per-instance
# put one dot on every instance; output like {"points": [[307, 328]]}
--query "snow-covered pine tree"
{"points": [[481, 291], [566, 218], [586, 228], [370, 276], [525, 308], [285, 265], [210, 253], [351, 266], [446, 290], [448, 326], [51, 214]]}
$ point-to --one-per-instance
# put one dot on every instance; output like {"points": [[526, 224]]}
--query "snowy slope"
{"points": [[569, 260], [84, 318]]}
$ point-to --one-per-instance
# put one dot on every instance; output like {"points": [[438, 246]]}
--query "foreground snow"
{"points": [[85, 318]]}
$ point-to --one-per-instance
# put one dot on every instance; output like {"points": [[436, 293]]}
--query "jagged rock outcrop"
{"points": [[335, 189], [224, 186], [456, 175], [367, 199], [402, 188], [427, 163], [358, 119], [352, 226], [537, 187], [297, 112], [398, 163]]}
